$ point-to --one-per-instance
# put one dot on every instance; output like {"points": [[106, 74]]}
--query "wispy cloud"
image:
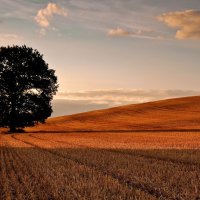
{"points": [[124, 96], [119, 32], [45, 15], [187, 22], [115, 18], [146, 34]]}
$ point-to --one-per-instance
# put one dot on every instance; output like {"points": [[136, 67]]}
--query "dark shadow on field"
{"points": [[106, 131], [115, 131], [129, 167], [180, 156]]}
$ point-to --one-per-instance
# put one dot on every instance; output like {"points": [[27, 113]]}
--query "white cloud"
{"points": [[187, 22], [45, 15]]}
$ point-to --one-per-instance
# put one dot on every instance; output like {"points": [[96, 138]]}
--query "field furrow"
{"points": [[13, 187], [28, 179], [101, 183], [151, 170], [4, 181], [59, 166], [146, 187], [146, 178], [187, 156]]}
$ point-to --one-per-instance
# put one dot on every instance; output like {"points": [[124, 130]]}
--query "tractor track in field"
{"points": [[14, 183], [21, 176], [39, 182], [33, 180], [168, 160], [43, 150], [131, 184], [20, 182], [6, 188]]}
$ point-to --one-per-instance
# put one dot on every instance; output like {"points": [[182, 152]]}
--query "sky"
{"points": [[110, 52]]}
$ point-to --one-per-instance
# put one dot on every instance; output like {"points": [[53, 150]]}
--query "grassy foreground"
{"points": [[96, 166]]}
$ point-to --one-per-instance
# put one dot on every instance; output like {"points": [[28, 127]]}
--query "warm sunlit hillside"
{"points": [[172, 114]]}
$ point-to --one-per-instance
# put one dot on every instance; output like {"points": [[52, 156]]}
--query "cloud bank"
{"points": [[121, 96], [45, 15], [187, 22], [76, 102]]}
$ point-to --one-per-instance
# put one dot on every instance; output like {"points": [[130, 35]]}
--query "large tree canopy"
{"points": [[27, 87]]}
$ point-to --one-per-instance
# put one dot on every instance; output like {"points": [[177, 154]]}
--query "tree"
{"points": [[27, 87]]}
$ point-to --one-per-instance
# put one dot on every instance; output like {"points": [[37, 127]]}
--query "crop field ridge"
{"points": [[179, 114]]}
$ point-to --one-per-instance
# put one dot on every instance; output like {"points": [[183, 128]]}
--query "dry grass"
{"points": [[32, 168], [83, 166]]}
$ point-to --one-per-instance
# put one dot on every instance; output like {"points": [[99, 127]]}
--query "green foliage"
{"points": [[27, 87]]}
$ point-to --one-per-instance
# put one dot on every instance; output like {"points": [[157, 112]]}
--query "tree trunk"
{"points": [[12, 129], [12, 124]]}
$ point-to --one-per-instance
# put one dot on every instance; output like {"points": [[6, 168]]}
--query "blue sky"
{"points": [[110, 45]]}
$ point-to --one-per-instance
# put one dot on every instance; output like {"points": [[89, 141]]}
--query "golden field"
{"points": [[144, 151], [173, 114]]}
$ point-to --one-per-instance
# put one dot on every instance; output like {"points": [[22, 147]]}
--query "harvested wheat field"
{"points": [[173, 114], [145, 151]]}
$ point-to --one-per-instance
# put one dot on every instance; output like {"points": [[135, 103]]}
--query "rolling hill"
{"points": [[171, 114]]}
